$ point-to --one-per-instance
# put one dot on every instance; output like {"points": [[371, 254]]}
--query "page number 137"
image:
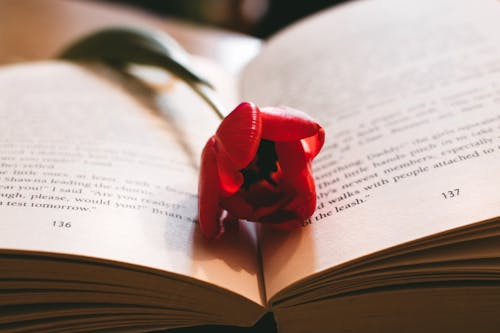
{"points": [[451, 193]]}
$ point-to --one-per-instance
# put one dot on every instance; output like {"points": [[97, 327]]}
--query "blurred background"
{"points": [[259, 18]]}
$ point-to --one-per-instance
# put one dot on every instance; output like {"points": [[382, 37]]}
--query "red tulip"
{"points": [[257, 167]]}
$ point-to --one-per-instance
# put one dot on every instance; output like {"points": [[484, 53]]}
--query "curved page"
{"points": [[89, 166], [409, 93]]}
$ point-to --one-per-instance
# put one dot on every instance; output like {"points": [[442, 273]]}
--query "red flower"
{"points": [[257, 167]]}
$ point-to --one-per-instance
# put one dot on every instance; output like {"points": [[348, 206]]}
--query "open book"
{"points": [[98, 185]]}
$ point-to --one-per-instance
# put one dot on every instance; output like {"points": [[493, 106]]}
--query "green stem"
{"points": [[125, 45], [208, 96]]}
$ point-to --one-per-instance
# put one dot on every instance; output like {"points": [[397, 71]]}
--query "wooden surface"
{"points": [[37, 29]]}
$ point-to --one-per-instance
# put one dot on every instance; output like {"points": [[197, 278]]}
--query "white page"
{"points": [[87, 169], [409, 95]]}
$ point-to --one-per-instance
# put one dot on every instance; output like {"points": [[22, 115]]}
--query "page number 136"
{"points": [[451, 193], [61, 224]]}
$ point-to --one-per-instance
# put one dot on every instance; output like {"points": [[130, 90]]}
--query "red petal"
{"points": [[304, 203], [297, 178], [286, 124], [239, 134], [315, 143], [284, 220], [263, 213], [209, 211], [237, 206], [230, 177], [291, 157]]}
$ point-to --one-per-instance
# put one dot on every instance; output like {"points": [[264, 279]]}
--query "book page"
{"points": [[409, 95], [89, 168]]}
